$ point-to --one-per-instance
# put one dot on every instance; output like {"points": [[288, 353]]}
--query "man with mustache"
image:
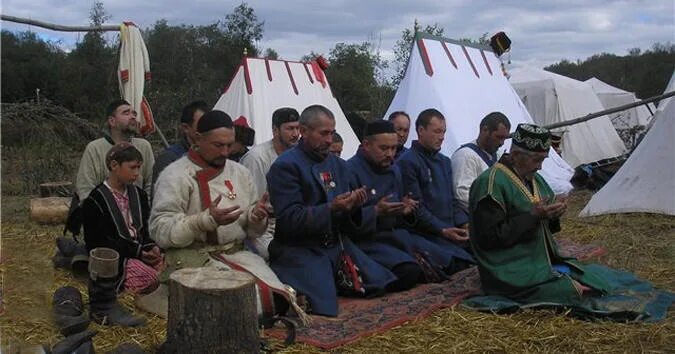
{"points": [[318, 208], [122, 126], [471, 159], [427, 176], [373, 166], [401, 121], [285, 135]]}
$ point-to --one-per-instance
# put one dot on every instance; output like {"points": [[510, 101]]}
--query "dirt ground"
{"points": [[640, 243]]}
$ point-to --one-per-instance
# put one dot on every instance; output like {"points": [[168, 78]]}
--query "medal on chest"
{"points": [[231, 195], [327, 180]]}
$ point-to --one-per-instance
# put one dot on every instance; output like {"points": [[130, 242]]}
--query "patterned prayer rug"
{"points": [[362, 317]]}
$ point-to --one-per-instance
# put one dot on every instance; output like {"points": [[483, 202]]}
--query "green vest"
{"points": [[523, 271]]}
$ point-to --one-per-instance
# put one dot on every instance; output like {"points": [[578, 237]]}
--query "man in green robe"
{"points": [[513, 215]]}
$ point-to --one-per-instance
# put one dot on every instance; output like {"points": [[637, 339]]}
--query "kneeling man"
{"points": [[318, 209], [514, 214]]}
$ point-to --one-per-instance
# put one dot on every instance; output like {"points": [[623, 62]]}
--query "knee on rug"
{"points": [[407, 275], [456, 265]]}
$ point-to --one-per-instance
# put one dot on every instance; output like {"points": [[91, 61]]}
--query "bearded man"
{"points": [[122, 126]]}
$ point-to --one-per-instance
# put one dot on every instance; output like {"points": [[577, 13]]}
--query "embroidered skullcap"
{"points": [[532, 138], [214, 120], [118, 148], [379, 126]]}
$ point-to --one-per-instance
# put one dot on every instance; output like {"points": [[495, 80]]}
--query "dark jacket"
{"points": [[104, 224]]}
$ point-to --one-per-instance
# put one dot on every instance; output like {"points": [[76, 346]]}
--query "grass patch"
{"points": [[641, 243]]}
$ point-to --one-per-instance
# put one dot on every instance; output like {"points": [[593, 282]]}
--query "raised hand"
{"points": [[456, 234], [385, 207], [410, 204], [260, 211], [224, 216]]}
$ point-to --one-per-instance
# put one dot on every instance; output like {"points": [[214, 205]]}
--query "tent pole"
{"points": [[61, 28], [609, 111]]}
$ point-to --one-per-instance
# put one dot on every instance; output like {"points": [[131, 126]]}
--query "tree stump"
{"points": [[52, 210], [211, 311], [56, 189]]}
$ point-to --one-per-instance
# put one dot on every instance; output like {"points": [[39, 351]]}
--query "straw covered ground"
{"points": [[640, 243]]}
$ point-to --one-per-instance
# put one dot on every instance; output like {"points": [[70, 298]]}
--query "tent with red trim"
{"points": [[261, 86], [465, 82]]}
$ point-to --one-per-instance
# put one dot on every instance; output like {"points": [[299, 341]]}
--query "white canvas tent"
{"points": [[465, 83], [646, 181], [260, 86], [552, 98], [611, 97]]}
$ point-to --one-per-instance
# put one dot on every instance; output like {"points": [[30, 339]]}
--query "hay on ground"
{"points": [[641, 243]]}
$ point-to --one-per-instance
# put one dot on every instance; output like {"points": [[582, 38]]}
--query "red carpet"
{"points": [[362, 317]]}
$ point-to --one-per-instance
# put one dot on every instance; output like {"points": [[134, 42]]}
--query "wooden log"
{"points": [[52, 210], [211, 311], [56, 189]]}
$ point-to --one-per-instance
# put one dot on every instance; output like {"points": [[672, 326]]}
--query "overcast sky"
{"points": [[543, 32]]}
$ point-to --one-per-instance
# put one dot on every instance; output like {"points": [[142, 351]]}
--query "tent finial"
{"points": [[245, 52], [417, 27]]}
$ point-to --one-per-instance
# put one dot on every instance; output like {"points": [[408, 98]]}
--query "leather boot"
{"points": [[79, 343], [104, 280], [66, 246], [68, 311]]}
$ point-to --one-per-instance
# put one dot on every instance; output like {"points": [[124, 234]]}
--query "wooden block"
{"points": [[212, 311], [51, 210]]}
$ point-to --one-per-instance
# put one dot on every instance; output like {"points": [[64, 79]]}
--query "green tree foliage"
{"points": [[29, 63], [404, 45], [353, 73], [644, 72]]}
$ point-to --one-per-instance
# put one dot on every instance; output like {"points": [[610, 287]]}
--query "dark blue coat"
{"points": [[427, 175], [306, 247], [435, 250]]}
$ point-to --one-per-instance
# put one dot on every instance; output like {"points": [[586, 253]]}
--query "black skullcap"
{"points": [[379, 126], [284, 115], [214, 120], [532, 138]]}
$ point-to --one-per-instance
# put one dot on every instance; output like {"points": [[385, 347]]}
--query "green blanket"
{"points": [[630, 299]]}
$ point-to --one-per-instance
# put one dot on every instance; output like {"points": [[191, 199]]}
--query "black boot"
{"points": [[68, 308], [104, 308], [61, 261], [79, 343], [66, 246]]}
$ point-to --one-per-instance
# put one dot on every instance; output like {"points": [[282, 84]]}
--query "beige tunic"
{"points": [[93, 171], [178, 217]]}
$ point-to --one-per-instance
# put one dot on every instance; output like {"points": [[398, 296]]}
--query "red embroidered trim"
{"points": [[487, 65], [124, 75], [247, 76], [269, 70], [447, 51], [311, 80], [265, 290], [425, 57], [290, 76], [470, 62]]}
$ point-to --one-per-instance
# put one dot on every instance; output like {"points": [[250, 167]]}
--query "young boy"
{"points": [[116, 216]]}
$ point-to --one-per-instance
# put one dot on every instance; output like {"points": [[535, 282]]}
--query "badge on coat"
{"points": [[327, 180], [231, 195]]}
